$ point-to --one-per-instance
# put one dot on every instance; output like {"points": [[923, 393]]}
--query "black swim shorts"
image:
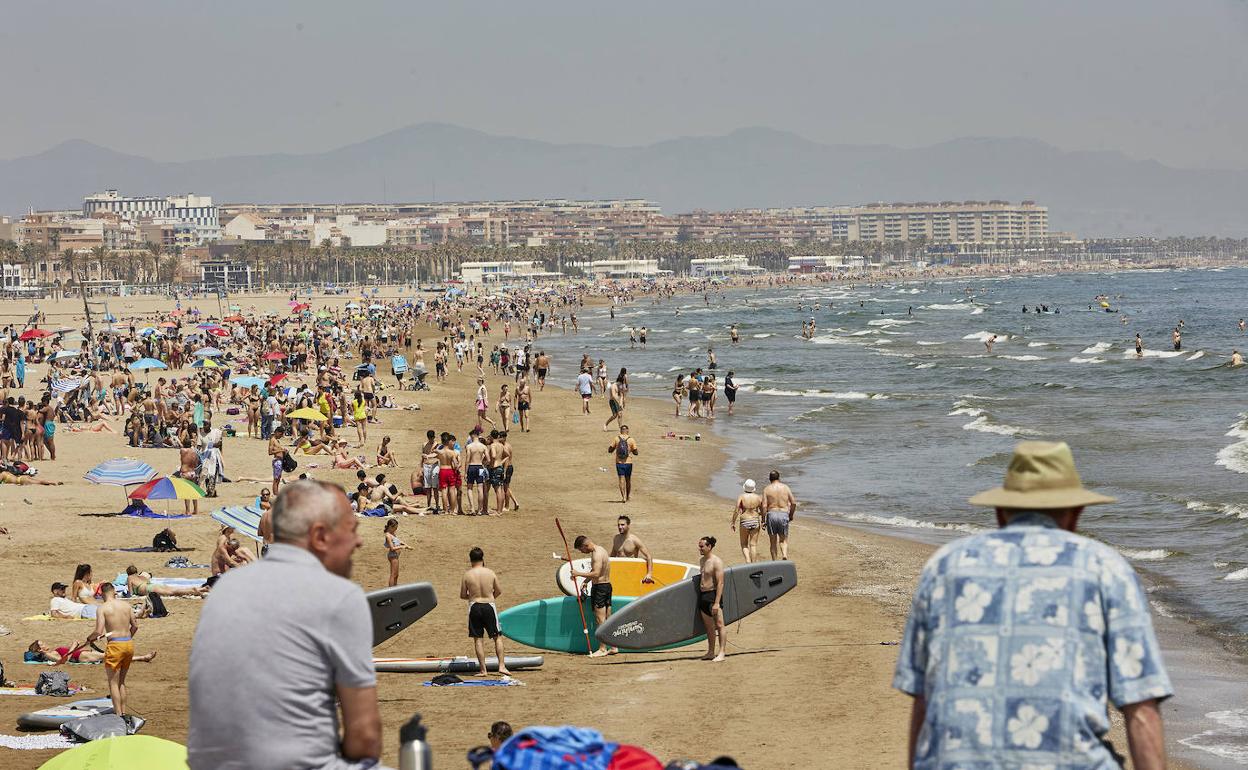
{"points": [[600, 595], [706, 602], [482, 620]]}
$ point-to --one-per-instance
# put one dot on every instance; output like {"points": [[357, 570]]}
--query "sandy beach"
{"points": [[807, 683]]}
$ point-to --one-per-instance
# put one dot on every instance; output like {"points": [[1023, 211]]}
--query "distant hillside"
{"points": [[1091, 193]]}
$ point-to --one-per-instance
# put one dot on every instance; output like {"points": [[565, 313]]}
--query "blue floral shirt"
{"points": [[1018, 639]]}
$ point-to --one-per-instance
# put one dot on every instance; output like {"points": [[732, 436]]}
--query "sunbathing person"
{"points": [[64, 608], [344, 461], [38, 652], [140, 584], [22, 481], [229, 554]]}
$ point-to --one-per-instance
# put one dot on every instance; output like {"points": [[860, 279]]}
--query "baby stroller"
{"points": [[417, 380]]}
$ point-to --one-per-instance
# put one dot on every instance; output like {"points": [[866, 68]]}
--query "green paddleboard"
{"points": [[555, 624]]}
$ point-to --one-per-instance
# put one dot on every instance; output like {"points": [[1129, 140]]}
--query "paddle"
{"points": [[579, 605]]}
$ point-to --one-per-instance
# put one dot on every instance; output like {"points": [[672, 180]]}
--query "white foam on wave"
{"points": [[984, 425], [1237, 575], [1152, 353], [907, 522], [977, 311], [1226, 741], [985, 336], [830, 339], [958, 306], [1039, 344], [691, 330], [1099, 347], [647, 375], [1093, 360], [889, 322], [925, 366], [1226, 509], [926, 343], [1196, 355], [862, 333], [1235, 456], [969, 411], [1151, 554], [881, 341], [1023, 358], [761, 336]]}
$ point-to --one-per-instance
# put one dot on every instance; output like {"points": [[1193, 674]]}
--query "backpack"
{"points": [[158, 606], [53, 683], [163, 542], [288, 463]]}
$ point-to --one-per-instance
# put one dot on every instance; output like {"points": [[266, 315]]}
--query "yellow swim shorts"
{"points": [[118, 655]]}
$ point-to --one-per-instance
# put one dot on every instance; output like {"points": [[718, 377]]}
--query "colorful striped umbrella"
{"points": [[67, 384], [120, 472], [168, 488], [205, 363], [243, 518]]}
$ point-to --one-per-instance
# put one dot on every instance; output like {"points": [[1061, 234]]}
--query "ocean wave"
{"points": [[761, 336], [1023, 358], [829, 339], [1235, 456], [985, 336], [1099, 347], [1196, 355], [890, 322], [926, 343], [1039, 344], [907, 522], [862, 333], [1151, 554], [985, 425], [925, 366], [1237, 575], [977, 311], [1093, 360], [969, 411], [1226, 509], [1152, 353], [691, 330], [1057, 385], [958, 306]]}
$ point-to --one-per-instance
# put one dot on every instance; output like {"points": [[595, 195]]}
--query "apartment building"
{"points": [[194, 214]]}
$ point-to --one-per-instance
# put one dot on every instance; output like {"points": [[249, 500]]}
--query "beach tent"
{"points": [[123, 752], [57, 356], [243, 518]]}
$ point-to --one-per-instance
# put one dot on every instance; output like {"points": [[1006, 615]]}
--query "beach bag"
{"points": [[158, 606], [53, 683], [288, 463], [442, 680], [163, 542], [515, 418], [94, 728]]}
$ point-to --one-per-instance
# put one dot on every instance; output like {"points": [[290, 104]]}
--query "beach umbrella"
{"points": [[109, 318], [122, 752], [376, 307], [148, 331], [238, 319], [177, 312], [243, 518], [235, 307], [67, 384], [306, 413], [32, 334], [219, 332], [143, 364], [208, 326], [120, 472], [300, 307], [168, 488], [205, 363], [274, 356], [323, 313], [58, 355], [208, 353], [352, 306], [276, 379], [247, 381], [168, 325]]}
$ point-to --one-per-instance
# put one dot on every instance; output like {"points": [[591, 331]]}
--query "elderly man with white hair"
{"points": [[280, 641]]}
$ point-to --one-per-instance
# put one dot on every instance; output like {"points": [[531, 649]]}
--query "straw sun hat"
{"points": [[1041, 476]]}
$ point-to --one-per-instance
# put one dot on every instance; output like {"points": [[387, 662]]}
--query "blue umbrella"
{"points": [[120, 472], [247, 381], [208, 353], [243, 518], [147, 363]]}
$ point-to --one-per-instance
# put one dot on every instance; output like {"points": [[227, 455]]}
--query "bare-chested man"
{"points": [[781, 507], [188, 468], [599, 575], [449, 480], [542, 365], [624, 448], [628, 545], [711, 599], [474, 459], [497, 460], [749, 513], [429, 471], [115, 621], [480, 589]]}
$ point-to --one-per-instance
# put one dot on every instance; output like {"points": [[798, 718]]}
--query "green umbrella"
{"points": [[125, 752]]}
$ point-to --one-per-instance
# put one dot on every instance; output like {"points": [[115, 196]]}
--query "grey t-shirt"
{"points": [[274, 639]]}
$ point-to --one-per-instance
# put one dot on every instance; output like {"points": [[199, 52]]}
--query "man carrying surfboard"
{"points": [[711, 599], [599, 575]]}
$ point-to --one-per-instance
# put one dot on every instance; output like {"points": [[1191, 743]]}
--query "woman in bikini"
{"points": [[384, 455], [678, 392], [393, 547], [749, 514], [504, 405], [253, 412], [483, 404]]}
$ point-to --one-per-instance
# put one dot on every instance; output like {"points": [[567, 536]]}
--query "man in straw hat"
{"points": [[1017, 637]]}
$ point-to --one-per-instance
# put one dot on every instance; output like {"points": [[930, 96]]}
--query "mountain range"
{"points": [[1090, 193]]}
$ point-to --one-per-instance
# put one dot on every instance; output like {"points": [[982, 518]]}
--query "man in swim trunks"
{"points": [[115, 622], [711, 599], [624, 448], [480, 589], [429, 471], [585, 386], [475, 458], [629, 546], [448, 475], [543, 365], [781, 507], [497, 461], [599, 576]]}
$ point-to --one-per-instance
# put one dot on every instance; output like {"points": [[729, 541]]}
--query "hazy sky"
{"points": [[175, 80]]}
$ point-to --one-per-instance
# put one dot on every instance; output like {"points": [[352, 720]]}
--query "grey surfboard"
{"points": [[670, 615], [398, 607], [460, 665]]}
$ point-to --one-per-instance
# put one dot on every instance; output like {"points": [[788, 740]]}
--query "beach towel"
{"points": [[49, 617], [66, 663], [36, 742], [154, 515], [479, 683], [31, 690], [144, 549], [555, 748]]}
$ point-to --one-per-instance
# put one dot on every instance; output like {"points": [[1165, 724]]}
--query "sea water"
{"points": [[896, 411]]}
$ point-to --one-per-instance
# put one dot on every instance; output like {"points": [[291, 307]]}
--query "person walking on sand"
{"points": [[749, 514], [481, 590], [781, 507], [1019, 638], [483, 404], [115, 622], [585, 386], [394, 546], [599, 576], [277, 454], [627, 545], [711, 599], [615, 400], [524, 403], [624, 448]]}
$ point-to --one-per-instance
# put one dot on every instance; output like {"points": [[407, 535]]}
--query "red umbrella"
{"points": [[300, 307], [31, 334], [177, 312], [219, 332], [275, 356], [276, 378], [237, 319], [168, 325]]}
